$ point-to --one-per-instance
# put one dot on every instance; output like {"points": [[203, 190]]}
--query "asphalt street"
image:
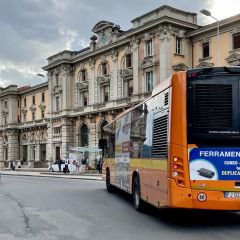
{"points": [[37, 208]]}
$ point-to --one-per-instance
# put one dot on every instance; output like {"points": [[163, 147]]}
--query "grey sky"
{"points": [[33, 30]]}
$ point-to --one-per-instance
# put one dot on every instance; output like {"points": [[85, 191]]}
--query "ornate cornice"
{"points": [[204, 64], [5, 112], [233, 59], [180, 67], [104, 80], [42, 106], [149, 61], [83, 86], [126, 72], [32, 108], [165, 33], [57, 89]]}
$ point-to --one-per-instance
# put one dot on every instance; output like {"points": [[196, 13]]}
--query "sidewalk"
{"points": [[43, 172]]}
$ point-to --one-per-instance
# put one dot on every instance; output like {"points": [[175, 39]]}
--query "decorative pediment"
{"points": [[104, 80], [126, 72], [101, 26], [83, 86], [180, 67], [204, 64], [233, 59], [149, 62], [42, 106]]}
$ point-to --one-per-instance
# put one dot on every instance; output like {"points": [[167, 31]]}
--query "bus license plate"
{"points": [[232, 194]]}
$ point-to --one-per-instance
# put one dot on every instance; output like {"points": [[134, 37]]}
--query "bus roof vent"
{"points": [[160, 137], [213, 106]]}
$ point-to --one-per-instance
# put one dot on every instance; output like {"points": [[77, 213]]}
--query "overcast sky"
{"points": [[33, 30]]}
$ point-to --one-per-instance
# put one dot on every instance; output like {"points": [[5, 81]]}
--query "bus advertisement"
{"points": [[181, 147]]}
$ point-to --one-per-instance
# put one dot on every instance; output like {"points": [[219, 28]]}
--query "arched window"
{"points": [[103, 69], [83, 137]]}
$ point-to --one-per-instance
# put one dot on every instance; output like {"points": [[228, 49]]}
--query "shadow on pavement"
{"points": [[187, 218]]}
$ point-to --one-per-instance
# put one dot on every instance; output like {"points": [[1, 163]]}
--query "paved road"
{"points": [[34, 208]]}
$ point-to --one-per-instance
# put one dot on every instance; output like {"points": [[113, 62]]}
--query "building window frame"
{"points": [[206, 50], [149, 48], [236, 41], [149, 80], [179, 46], [127, 87], [57, 100], [43, 96], [5, 104], [33, 100]]}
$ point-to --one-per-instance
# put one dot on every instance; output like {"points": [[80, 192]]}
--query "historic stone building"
{"points": [[23, 135], [88, 88]]}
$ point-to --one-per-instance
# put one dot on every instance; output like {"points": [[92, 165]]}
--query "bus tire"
{"points": [[108, 182], [137, 202]]}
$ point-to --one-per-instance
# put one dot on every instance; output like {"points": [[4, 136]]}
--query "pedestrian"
{"points": [[66, 169], [14, 165], [11, 165], [99, 164], [77, 165], [83, 167], [59, 162]]}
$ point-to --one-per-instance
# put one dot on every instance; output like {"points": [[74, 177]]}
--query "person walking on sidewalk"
{"points": [[59, 162], [83, 167]]}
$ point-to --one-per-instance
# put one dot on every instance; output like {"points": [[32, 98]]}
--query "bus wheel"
{"points": [[108, 182], [138, 205]]}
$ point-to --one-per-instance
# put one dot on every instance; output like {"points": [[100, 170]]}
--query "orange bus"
{"points": [[181, 147]]}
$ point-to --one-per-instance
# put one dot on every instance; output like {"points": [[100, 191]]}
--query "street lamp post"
{"points": [[209, 14]]}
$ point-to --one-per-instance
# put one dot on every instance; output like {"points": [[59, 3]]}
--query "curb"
{"points": [[38, 174]]}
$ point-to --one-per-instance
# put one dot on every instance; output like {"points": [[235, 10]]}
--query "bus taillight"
{"points": [[178, 171]]}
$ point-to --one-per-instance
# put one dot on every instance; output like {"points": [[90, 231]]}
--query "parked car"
{"points": [[54, 167], [71, 166]]}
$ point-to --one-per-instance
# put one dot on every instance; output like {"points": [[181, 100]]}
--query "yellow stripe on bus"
{"points": [[148, 163]]}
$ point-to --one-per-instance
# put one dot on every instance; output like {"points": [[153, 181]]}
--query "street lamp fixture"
{"points": [[209, 14], [40, 75]]}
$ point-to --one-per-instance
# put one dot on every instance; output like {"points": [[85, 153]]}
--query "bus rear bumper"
{"points": [[182, 197]]}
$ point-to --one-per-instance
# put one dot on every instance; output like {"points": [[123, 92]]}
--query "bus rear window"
{"points": [[213, 107]]}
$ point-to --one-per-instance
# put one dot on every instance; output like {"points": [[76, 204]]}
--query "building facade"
{"points": [[87, 89]]}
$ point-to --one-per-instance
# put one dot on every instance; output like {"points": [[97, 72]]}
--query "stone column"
{"points": [[165, 35], [37, 152], [30, 158], [135, 67], [92, 136], [67, 136], [92, 83], [2, 165], [114, 80], [49, 157], [13, 145]]}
